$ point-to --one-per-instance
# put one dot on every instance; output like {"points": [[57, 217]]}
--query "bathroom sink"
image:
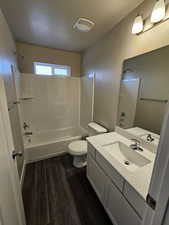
{"points": [[132, 160]]}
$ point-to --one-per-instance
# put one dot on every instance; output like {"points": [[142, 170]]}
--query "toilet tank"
{"points": [[95, 129]]}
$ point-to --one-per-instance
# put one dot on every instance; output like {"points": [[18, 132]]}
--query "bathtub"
{"points": [[42, 145]]}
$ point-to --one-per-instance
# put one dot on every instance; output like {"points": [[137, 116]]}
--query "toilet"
{"points": [[78, 149]]}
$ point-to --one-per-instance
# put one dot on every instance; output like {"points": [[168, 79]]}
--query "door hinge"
{"points": [[151, 202]]}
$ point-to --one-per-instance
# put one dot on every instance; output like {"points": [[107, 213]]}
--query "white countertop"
{"points": [[138, 179], [137, 131]]}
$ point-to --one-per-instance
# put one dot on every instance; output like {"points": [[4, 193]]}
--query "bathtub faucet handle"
{"points": [[25, 126]]}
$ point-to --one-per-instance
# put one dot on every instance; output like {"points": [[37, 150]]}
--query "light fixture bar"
{"points": [[148, 25]]}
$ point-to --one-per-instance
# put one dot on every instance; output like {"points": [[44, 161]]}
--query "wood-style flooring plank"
{"points": [[56, 193]]}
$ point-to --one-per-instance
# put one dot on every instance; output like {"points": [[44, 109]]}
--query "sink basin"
{"points": [[132, 160]]}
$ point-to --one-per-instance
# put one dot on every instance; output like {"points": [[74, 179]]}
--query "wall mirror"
{"points": [[144, 94]]}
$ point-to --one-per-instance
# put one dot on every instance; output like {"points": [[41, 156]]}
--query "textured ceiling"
{"points": [[49, 22]]}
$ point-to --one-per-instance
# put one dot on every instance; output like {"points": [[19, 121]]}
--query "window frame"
{"points": [[53, 67]]}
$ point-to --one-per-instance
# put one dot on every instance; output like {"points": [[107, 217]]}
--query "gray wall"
{"points": [[86, 100], [8, 58], [106, 58]]}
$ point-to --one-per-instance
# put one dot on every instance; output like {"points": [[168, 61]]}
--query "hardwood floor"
{"points": [[56, 193]]}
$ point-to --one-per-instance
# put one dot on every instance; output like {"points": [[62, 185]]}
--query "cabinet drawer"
{"points": [[91, 150], [119, 210], [110, 171], [135, 199]]}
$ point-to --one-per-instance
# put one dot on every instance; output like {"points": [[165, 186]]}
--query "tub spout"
{"points": [[28, 133]]}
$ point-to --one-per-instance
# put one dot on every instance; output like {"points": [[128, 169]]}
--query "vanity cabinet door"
{"points": [[135, 199], [96, 177], [119, 210], [113, 175]]}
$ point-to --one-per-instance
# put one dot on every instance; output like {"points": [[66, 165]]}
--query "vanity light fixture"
{"points": [[137, 25], [158, 12]]}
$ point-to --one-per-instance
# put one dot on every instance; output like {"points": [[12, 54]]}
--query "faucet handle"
{"points": [[25, 126], [150, 138]]}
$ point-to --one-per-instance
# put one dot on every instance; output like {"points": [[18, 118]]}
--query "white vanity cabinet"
{"points": [[110, 191]]}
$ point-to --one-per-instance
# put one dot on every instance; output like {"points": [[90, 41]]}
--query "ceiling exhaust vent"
{"points": [[83, 25]]}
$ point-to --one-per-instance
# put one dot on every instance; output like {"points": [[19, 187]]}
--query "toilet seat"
{"points": [[78, 148]]}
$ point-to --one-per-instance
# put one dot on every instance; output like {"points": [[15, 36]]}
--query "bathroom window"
{"points": [[51, 69]]}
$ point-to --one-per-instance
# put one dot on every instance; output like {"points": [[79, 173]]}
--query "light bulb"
{"points": [[158, 12], [137, 25]]}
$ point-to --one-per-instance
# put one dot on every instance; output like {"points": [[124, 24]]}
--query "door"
{"points": [[11, 205]]}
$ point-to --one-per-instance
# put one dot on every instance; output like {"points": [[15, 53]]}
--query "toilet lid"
{"points": [[78, 147]]}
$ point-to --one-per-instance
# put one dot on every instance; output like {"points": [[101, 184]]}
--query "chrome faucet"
{"points": [[136, 145]]}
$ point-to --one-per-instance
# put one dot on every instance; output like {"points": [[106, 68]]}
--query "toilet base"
{"points": [[80, 161]]}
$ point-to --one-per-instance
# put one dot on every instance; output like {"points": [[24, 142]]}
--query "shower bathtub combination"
{"points": [[43, 145], [51, 111]]}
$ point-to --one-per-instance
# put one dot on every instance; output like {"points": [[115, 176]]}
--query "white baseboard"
{"points": [[47, 156], [23, 173]]}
